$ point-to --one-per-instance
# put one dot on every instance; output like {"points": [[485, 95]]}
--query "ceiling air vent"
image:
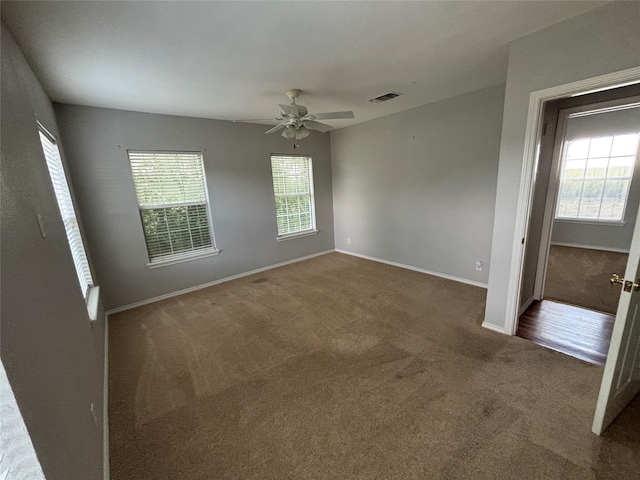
{"points": [[385, 97]]}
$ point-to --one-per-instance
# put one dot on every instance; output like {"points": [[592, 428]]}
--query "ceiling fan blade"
{"points": [[321, 127], [289, 109], [293, 109], [276, 128], [279, 119], [332, 115]]}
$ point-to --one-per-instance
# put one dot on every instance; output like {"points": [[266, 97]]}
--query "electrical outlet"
{"points": [[478, 265], [348, 241]]}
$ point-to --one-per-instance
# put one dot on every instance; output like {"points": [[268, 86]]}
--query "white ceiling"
{"points": [[233, 60]]}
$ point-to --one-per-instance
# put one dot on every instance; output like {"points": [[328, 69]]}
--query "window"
{"points": [[595, 180], [67, 211], [172, 197], [293, 190]]}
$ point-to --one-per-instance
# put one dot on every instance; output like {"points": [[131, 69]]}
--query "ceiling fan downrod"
{"points": [[292, 94]]}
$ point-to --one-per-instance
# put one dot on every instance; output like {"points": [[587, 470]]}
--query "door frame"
{"points": [[533, 133], [554, 180], [550, 206]]}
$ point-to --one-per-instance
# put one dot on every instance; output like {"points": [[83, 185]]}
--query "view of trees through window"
{"points": [[596, 176], [173, 203], [293, 190], [176, 229]]}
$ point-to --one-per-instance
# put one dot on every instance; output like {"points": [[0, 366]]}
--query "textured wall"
{"points": [[238, 170], [418, 187], [54, 359]]}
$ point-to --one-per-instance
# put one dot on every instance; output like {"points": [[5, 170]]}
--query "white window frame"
{"points": [[67, 209], [312, 200], [590, 220], [182, 256]]}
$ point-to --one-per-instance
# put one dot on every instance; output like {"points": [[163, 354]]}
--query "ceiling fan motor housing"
{"points": [[292, 94]]}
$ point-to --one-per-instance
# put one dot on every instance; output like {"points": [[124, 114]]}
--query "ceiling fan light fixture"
{"points": [[297, 133], [302, 132], [289, 132]]}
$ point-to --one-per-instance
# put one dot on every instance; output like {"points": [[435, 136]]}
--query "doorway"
{"points": [[584, 206]]}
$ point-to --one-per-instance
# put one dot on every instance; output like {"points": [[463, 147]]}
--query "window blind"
{"points": [[171, 193], [67, 211], [293, 191]]}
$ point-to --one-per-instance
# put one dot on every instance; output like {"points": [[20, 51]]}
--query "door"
{"points": [[621, 378]]}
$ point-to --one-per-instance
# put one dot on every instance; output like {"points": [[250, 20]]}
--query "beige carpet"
{"points": [[342, 368], [580, 276]]}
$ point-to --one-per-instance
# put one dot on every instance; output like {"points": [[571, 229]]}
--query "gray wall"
{"points": [[602, 41], [418, 187], [52, 355], [238, 170], [617, 237]]}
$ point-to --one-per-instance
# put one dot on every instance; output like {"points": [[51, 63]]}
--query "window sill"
{"points": [[180, 258], [93, 303], [603, 223], [291, 236]]}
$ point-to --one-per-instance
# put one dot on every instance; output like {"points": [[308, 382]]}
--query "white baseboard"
{"points": [[106, 467], [591, 247], [215, 282], [416, 269], [495, 328], [525, 305]]}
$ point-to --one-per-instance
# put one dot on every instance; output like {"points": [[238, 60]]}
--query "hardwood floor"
{"points": [[575, 331]]}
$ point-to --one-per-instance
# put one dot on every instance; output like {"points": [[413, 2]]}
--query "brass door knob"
{"points": [[628, 286], [615, 278]]}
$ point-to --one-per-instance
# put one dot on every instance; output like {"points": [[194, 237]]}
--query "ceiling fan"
{"points": [[297, 121]]}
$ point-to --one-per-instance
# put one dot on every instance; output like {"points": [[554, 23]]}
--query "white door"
{"points": [[621, 378]]}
